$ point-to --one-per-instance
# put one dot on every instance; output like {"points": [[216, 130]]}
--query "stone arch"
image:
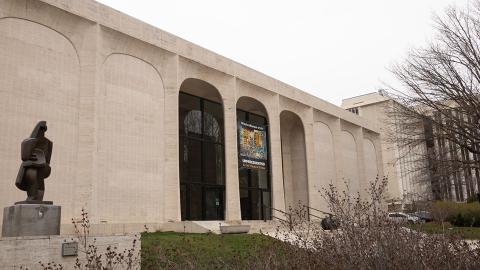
{"points": [[202, 151], [252, 105], [294, 159], [254, 182], [39, 79], [325, 163], [350, 161], [130, 148], [371, 168], [201, 88]]}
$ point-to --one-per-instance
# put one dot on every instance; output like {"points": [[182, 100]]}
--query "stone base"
{"points": [[234, 229], [34, 202], [31, 220], [27, 251]]}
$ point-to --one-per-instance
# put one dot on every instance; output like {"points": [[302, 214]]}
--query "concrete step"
{"points": [[184, 226], [301, 239], [257, 226], [212, 226]]}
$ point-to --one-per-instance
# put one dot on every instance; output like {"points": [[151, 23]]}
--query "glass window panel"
{"points": [[189, 115], [183, 161], [267, 202], [259, 179], [213, 163], [241, 115], [253, 178], [193, 164], [256, 119], [262, 179], [245, 204], [213, 204], [256, 204], [243, 177], [187, 101], [195, 202], [192, 124], [183, 198], [213, 121]]}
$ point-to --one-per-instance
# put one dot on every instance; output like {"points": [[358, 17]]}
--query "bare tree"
{"points": [[440, 106]]}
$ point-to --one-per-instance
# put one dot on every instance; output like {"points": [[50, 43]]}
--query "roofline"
{"points": [[360, 95], [124, 23]]}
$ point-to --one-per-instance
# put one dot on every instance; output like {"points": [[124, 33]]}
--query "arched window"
{"points": [[254, 181], [202, 158]]}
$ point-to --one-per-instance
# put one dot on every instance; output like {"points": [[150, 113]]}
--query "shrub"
{"points": [[458, 214], [473, 198], [96, 257], [465, 215], [367, 240], [442, 210]]}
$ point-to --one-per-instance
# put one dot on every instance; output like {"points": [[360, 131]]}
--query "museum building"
{"points": [[148, 128]]}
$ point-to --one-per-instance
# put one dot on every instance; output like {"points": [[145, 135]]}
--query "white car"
{"points": [[399, 217]]}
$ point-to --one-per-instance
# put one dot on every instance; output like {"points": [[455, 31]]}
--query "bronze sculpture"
{"points": [[36, 152]]}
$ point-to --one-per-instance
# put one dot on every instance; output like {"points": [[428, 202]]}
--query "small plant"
{"points": [[366, 239], [110, 259], [93, 258]]}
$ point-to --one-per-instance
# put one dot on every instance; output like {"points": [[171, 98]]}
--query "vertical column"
{"points": [[310, 155], [85, 179], [378, 151], [336, 130], [232, 196], [363, 182], [171, 176], [278, 193]]}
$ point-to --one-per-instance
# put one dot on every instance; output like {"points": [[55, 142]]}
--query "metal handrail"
{"points": [[289, 220], [323, 212], [289, 216], [313, 215]]}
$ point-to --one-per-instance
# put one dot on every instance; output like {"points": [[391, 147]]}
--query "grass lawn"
{"points": [[433, 227], [171, 250]]}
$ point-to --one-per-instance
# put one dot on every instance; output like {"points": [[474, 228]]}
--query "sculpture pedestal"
{"points": [[31, 220]]}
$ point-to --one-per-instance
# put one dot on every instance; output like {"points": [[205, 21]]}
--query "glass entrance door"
{"points": [[202, 202], [213, 204], [255, 198]]}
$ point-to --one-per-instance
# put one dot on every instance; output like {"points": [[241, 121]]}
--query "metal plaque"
{"points": [[69, 249]]}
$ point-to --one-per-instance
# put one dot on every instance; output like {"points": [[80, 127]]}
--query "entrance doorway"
{"points": [[254, 181], [201, 202], [202, 158]]}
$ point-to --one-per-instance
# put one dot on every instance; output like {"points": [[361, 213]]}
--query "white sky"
{"points": [[333, 49]]}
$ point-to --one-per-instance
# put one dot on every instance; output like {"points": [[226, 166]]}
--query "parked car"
{"points": [[424, 216], [399, 217]]}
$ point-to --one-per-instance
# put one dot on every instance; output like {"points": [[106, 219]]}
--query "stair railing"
{"points": [[288, 216], [310, 209]]}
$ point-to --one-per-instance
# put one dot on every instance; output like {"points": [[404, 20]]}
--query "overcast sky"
{"points": [[333, 49]]}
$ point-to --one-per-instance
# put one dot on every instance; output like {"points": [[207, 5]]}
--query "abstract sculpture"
{"points": [[36, 153]]}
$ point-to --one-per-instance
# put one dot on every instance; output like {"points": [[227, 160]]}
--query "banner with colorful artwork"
{"points": [[252, 146]]}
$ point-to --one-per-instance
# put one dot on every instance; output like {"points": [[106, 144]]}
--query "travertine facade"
{"points": [[25, 252], [108, 86], [406, 183]]}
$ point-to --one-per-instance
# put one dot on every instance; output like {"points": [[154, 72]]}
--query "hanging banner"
{"points": [[252, 146]]}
